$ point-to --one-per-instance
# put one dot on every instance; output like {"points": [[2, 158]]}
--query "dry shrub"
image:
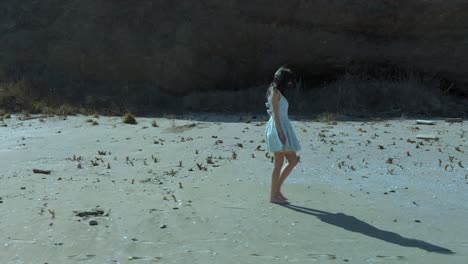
{"points": [[364, 94], [128, 118], [16, 96]]}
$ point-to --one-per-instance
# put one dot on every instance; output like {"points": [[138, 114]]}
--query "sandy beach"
{"points": [[195, 189]]}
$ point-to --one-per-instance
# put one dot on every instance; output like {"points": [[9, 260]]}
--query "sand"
{"points": [[195, 189]]}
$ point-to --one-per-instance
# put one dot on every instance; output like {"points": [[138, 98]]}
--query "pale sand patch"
{"points": [[364, 192]]}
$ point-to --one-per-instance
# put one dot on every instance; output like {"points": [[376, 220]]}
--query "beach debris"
{"points": [[201, 167], [180, 163], [209, 160], [425, 122], [180, 185], [427, 137], [451, 158], [459, 149], [453, 119], [183, 139], [259, 148], [196, 151], [163, 227], [460, 164], [94, 123], [77, 158], [94, 212], [381, 146], [93, 223], [79, 166], [408, 154], [440, 162], [41, 171], [171, 173], [410, 141], [103, 153], [417, 221], [94, 163], [389, 161], [219, 141], [253, 156], [129, 118], [52, 212], [234, 155], [239, 145], [173, 197], [154, 124]]}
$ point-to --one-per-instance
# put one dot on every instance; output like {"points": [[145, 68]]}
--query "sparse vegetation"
{"points": [[360, 91], [128, 118]]}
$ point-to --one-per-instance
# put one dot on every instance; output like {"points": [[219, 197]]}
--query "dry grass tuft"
{"points": [[128, 118]]}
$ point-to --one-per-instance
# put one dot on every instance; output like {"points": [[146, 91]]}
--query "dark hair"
{"points": [[283, 76]]}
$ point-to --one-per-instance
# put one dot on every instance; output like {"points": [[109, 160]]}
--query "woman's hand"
{"points": [[282, 137]]}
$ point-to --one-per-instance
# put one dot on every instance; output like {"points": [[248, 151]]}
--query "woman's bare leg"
{"points": [[275, 178], [292, 162]]}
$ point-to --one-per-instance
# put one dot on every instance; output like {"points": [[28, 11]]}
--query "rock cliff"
{"points": [[106, 46]]}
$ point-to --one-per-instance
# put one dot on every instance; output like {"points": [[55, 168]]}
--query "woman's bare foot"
{"points": [[278, 200]]}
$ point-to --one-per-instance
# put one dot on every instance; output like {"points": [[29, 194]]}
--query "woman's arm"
{"points": [[275, 105]]}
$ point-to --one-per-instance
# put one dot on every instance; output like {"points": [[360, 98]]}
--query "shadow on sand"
{"points": [[353, 224]]}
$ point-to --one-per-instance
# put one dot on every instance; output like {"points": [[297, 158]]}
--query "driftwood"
{"points": [[94, 212], [454, 120], [41, 171], [425, 122], [427, 137]]}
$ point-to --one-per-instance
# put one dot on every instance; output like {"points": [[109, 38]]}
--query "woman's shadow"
{"points": [[353, 224]]}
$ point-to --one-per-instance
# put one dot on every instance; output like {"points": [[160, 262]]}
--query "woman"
{"points": [[280, 136]]}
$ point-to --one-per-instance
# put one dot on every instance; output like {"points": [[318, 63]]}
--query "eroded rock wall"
{"points": [[183, 46]]}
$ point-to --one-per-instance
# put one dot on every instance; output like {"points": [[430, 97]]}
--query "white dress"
{"points": [[272, 140]]}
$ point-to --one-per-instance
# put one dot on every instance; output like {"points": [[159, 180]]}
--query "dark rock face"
{"points": [[181, 46]]}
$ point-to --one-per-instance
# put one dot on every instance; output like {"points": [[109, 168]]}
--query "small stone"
{"points": [[93, 223], [163, 227]]}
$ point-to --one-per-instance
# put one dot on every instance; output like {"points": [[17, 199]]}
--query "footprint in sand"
{"points": [[322, 256], [82, 257]]}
